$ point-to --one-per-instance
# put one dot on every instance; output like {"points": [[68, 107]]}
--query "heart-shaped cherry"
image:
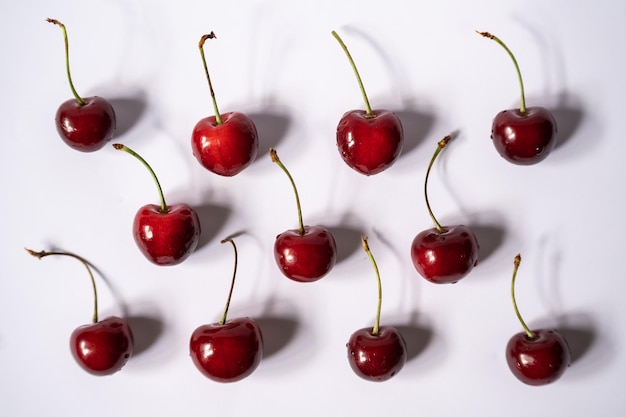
{"points": [[229, 350], [85, 124], [526, 135], [369, 141], [225, 143], [104, 346], [305, 254], [376, 353], [166, 235], [535, 357], [443, 254]]}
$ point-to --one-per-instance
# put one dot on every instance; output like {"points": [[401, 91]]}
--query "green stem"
{"points": [[368, 108], [232, 282], [366, 247], [67, 60], [85, 263], [276, 160], [129, 151], [516, 263], [522, 107], [218, 118], [440, 145]]}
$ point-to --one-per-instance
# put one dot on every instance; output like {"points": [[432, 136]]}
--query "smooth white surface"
{"points": [[278, 61]]}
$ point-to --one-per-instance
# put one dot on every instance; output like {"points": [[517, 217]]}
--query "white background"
{"points": [[277, 61]]}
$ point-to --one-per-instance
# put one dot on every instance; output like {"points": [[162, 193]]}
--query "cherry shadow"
{"points": [[348, 240], [271, 127], [212, 219], [128, 111], [417, 338], [278, 332], [416, 126], [146, 331], [569, 116], [490, 237], [579, 338]]}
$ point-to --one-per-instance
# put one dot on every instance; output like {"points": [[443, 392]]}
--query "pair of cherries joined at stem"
{"points": [[526, 135], [104, 346], [84, 124], [165, 234], [229, 350], [535, 357]]}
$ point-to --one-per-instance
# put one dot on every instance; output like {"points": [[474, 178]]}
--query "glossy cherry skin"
{"points": [[305, 257], [538, 361], [227, 352], [447, 257], [87, 127], [372, 144], [376, 357], [524, 138], [166, 238], [102, 348], [226, 148]]}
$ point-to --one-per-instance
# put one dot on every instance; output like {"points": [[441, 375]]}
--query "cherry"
{"points": [[305, 254], [229, 350], [526, 135], [443, 254], [165, 234], [225, 143], [85, 124], [376, 353], [535, 357], [369, 141], [102, 347]]}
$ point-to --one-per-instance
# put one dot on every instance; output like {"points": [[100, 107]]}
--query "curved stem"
{"points": [[440, 145], [366, 247], [42, 254], [275, 159], [232, 282], [126, 149], [67, 60], [218, 118], [516, 262], [368, 108], [522, 106]]}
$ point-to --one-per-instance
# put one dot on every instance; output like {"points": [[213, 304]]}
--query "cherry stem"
{"points": [[366, 247], [440, 145], [43, 254], [218, 118], [232, 282], [522, 106], [276, 160], [67, 60], [516, 263], [126, 149], [368, 108]]}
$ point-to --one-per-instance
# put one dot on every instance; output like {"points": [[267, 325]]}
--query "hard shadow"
{"points": [[490, 237], [579, 338], [277, 331], [146, 331], [128, 111], [212, 219], [568, 116], [271, 128], [417, 338], [416, 126]]}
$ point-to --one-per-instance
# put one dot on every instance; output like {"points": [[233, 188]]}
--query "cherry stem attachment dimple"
{"points": [[67, 60], [129, 151], [218, 118], [43, 254], [522, 106], [232, 282], [368, 108], [366, 247], [277, 161], [440, 145], [516, 263]]}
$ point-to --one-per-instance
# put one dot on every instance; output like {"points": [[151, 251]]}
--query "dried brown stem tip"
{"points": [[443, 142], [273, 155], [485, 34], [205, 37], [36, 254], [518, 260]]}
